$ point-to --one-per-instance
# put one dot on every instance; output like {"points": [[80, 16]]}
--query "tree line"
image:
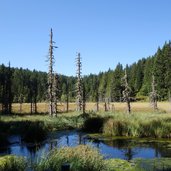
{"points": [[18, 85]]}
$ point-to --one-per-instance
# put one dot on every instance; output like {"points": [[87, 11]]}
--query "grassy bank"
{"points": [[34, 128], [140, 124], [155, 125]]}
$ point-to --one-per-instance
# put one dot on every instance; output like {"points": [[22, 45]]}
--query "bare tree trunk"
{"points": [[55, 94], [51, 76], [126, 92], [170, 100], [153, 94], [21, 102], [79, 97], [84, 100], [105, 107], [67, 97]]}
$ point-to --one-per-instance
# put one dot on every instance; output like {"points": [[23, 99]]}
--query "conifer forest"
{"points": [[24, 85]]}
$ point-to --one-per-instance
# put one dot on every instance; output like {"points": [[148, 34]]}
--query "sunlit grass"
{"points": [[91, 106], [12, 163]]}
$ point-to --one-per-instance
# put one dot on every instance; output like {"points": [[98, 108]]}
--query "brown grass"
{"points": [[90, 106]]}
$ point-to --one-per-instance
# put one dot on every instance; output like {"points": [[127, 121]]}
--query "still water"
{"points": [[117, 148]]}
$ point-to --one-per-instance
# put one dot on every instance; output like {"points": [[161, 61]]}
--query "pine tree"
{"points": [[116, 85]]}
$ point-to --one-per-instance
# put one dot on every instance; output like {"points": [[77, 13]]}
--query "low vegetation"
{"points": [[12, 163], [33, 128], [80, 158], [155, 125]]}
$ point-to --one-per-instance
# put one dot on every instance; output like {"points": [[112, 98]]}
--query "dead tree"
{"points": [[51, 74], [153, 94], [55, 94], [79, 99], [84, 99], [126, 92], [169, 100], [67, 96], [97, 100], [96, 89]]}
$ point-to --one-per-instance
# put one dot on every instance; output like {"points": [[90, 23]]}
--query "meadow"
{"points": [[142, 122], [90, 106]]}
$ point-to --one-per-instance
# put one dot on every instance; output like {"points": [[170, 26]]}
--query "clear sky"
{"points": [[105, 32]]}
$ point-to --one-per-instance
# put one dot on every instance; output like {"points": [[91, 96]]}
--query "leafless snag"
{"points": [[55, 94], [79, 98], [126, 92], [51, 76], [153, 94]]}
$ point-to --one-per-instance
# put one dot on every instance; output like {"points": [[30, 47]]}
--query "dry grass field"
{"points": [[114, 107]]}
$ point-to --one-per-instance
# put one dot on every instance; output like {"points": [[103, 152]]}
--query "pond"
{"points": [[123, 148]]}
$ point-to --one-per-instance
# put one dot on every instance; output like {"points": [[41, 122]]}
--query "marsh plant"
{"points": [[12, 163], [82, 158]]}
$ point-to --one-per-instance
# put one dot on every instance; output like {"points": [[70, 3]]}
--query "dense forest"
{"points": [[22, 85]]}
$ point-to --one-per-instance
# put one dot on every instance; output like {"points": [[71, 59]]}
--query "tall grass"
{"points": [[34, 128], [81, 158], [12, 163], [155, 125], [138, 125]]}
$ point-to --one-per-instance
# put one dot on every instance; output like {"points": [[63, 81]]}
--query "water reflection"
{"points": [[119, 148]]}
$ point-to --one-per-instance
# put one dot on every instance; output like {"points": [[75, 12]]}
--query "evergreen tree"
{"points": [[160, 68], [116, 85]]}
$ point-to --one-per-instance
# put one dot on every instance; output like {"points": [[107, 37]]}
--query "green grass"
{"points": [[81, 158], [154, 125], [34, 128], [138, 125], [12, 163], [85, 158]]}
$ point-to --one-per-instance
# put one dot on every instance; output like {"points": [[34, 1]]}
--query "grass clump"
{"points": [[119, 165], [157, 164], [138, 125], [12, 163], [82, 158]]}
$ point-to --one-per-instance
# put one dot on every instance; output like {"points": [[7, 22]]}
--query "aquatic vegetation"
{"points": [[82, 158]]}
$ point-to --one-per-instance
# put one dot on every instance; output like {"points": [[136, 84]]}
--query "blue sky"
{"points": [[105, 32]]}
